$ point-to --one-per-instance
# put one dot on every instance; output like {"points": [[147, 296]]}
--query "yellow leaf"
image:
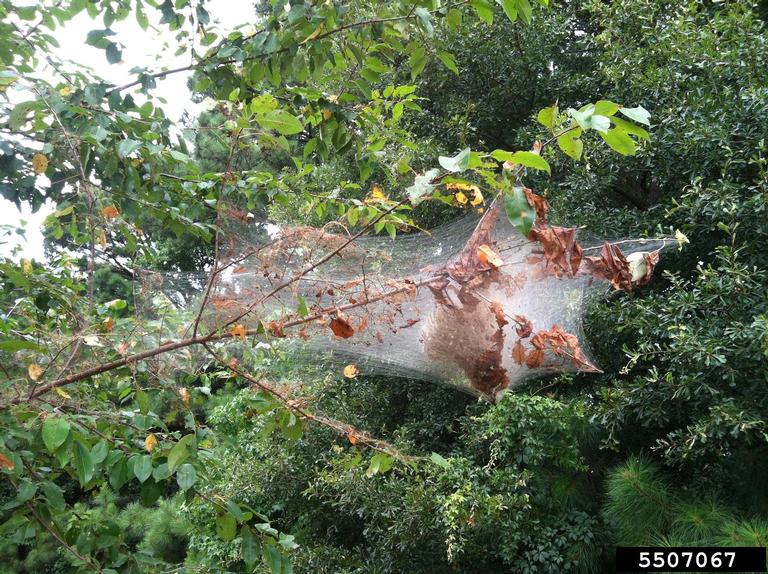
{"points": [[488, 256], [184, 394], [34, 371], [477, 198], [351, 371], [39, 163], [102, 238], [150, 442], [461, 198], [62, 393], [238, 331], [327, 113], [26, 266], [377, 192], [110, 211]]}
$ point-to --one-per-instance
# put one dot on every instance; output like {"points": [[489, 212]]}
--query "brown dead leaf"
{"points": [[534, 359], [185, 396], [238, 331], [110, 212], [275, 328], [611, 265], [561, 250], [538, 203], [353, 437], [518, 353], [498, 312], [341, 328], [524, 326]]}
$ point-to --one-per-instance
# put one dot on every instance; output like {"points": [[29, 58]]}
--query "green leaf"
{"points": [[530, 159], [54, 495], [226, 527], [180, 452], [510, 8], [281, 121], [425, 20], [422, 186], [525, 10], [606, 108], [439, 460], [263, 104], [142, 467], [18, 116], [376, 65], [18, 345], [55, 432], [272, 557], [548, 116], [638, 114], [571, 145], [114, 53], [235, 510], [630, 128], [519, 212], [457, 163], [484, 10], [449, 61], [600, 123], [453, 19], [83, 463], [619, 141], [417, 60], [380, 463], [186, 476], [127, 147], [302, 310], [250, 546]]}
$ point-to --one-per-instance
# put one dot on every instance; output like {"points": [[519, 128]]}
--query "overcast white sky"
{"points": [[141, 48]]}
